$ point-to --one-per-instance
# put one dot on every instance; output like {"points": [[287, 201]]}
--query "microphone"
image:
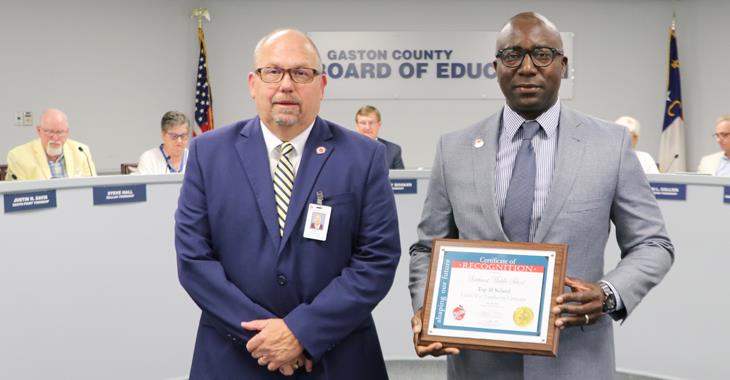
{"points": [[88, 162], [676, 156]]}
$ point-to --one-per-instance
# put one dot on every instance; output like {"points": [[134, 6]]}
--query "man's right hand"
{"points": [[434, 349], [301, 361]]}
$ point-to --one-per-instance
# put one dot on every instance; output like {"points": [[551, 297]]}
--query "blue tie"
{"points": [[517, 212]]}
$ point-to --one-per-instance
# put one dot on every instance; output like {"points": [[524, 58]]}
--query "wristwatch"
{"points": [[609, 299]]}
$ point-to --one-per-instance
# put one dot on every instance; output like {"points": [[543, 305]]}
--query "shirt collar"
{"points": [[273, 142], [60, 157], [549, 120]]}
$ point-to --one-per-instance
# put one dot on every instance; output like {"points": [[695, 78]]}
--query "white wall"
{"points": [[116, 66]]}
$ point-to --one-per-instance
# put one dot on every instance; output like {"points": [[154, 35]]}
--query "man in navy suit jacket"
{"points": [[273, 301], [367, 122]]}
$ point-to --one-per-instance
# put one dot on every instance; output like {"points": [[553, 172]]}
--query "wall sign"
{"points": [[417, 65]]}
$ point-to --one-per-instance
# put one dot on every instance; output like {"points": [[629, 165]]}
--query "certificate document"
{"points": [[494, 295]]}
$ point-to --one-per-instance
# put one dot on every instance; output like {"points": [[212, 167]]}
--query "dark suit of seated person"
{"points": [[367, 122], [52, 154]]}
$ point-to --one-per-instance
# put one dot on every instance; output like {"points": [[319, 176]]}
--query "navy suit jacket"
{"points": [[392, 154], [236, 267]]}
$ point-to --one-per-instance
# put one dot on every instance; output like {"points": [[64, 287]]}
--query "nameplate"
{"points": [[404, 186], [104, 195], [672, 191], [726, 196], [30, 200]]}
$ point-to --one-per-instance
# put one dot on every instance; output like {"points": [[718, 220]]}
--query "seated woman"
{"points": [[172, 154]]}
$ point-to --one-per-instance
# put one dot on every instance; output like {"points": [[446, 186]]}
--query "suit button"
{"points": [[281, 279]]}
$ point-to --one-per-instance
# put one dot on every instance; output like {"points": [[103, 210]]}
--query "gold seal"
{"points": [[523, 316]]}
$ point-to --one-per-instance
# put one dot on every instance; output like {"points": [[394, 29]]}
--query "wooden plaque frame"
{"points": [[548, 348]]}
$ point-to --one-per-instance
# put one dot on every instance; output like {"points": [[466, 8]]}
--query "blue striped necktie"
{"points": [[283, 184], [517, 213]]}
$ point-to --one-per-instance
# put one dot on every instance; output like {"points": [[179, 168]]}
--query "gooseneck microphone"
{"points": [[88, 162], [676, 156]]}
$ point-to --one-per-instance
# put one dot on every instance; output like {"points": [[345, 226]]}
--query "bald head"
{"points": [[288, 34], [53, 117], [530, 89], [529, 21], [287, 104]]}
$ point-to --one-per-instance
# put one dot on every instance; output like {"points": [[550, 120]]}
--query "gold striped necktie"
{"points": [[283, 184]]}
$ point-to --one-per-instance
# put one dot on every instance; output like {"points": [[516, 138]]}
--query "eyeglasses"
{"points": [[297, 74], [51, 132], [178, 136], [541, 56], [721, 135]]}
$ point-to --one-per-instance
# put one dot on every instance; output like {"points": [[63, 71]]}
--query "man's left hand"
{"points": [[274, 345], [582, 306]]}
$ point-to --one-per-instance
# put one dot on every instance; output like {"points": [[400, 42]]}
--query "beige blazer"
{"points": [[710, 163], [29, 161]]}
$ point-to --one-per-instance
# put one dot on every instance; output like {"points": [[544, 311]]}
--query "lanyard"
{"points": [[170, 168]]}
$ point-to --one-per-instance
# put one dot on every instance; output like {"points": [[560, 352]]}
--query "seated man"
{"points": [[645, 159], [719, 163], [367, 122], [52, 154]]}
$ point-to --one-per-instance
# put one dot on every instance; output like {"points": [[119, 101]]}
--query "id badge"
{"points": [[318, 221]]}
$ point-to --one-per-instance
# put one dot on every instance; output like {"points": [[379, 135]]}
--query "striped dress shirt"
{"points": [[545, 144], [58, 167]]}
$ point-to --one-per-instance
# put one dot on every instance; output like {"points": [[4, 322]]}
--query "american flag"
{"points": [[203, 98]]}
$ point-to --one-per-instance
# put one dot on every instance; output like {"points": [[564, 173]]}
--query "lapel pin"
{"points": [[478, 142], [321, 150]]}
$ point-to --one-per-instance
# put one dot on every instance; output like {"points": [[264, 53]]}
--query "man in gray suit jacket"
{"points": [[581, 175]]}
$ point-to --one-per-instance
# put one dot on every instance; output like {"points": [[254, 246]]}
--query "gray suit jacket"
{"points": [[597, 180]]}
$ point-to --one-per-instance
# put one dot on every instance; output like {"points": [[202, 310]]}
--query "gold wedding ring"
{"points": [[588, 319]]}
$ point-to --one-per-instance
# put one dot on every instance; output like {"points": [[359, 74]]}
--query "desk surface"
{"points": [[92, 291]]}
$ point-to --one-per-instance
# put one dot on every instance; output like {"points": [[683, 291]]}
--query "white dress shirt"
{"points": [[647, 162], [273, 149]]}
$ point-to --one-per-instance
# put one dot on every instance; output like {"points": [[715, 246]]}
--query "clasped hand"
{"points": [[275, 347]]}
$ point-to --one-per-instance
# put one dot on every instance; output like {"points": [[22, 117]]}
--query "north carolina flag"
{"points": [[203, 97], [671, 148]]}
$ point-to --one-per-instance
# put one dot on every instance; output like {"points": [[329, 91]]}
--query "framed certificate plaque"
{"points": [[494, 296]]}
